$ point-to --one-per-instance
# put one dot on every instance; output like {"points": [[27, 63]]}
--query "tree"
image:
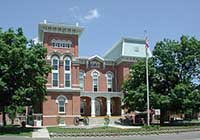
{"points": [[12, 111], [173, 69], [135, 87], [23, 71]]}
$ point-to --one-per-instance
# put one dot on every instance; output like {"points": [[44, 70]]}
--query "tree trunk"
{"points": [[4, 116], [12, 121], [162, 116]]}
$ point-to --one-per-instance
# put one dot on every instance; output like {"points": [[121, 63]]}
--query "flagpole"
{"points": [[147, 80]]}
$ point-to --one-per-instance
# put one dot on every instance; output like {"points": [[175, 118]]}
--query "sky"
{"points": [[106, 21]]}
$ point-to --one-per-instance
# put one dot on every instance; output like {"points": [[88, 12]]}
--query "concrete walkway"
{"points": [[40, 133]]}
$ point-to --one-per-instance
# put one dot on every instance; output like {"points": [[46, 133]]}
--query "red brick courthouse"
{"points": [[84, 86]]}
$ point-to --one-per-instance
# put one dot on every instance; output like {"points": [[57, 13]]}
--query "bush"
{"points": [[106, 120]]}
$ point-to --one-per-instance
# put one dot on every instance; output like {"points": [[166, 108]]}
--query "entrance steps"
{"points": [[100, 120]]}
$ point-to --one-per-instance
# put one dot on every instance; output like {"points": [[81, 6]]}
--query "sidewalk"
{"points": [[40, 133]]}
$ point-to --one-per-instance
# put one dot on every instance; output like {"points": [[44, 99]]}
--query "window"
{"points": [[95, 76], [67, 71], [55, 64], [55, 79], [136, 49], [67, 79], [53, 42], [69, 44], [109, 76], [61, 104], [61, 101], [55, 71], [67, 64], [61, 43], [81, 79]]}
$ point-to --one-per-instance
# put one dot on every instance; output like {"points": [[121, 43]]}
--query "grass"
{"points": [[83, 130], [115, 130], [16, 130], [91, 130]]}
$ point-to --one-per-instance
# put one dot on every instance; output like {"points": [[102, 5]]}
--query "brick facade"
{"points": [[86, 102], [103, 76]]}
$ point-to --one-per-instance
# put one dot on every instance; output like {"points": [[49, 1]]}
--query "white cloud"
{"points": [[92, 14], [77, 14]]}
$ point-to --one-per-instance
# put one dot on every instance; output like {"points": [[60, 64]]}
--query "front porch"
{"points": [[101, 104]]}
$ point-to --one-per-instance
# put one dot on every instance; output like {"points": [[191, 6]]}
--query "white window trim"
{"points": [[69, 72], [83, 79], [60, 43], [95, 71], [57, 102], [54, 71], [109, 72]]}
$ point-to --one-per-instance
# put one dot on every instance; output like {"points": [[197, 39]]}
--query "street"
{"points": [[179, 136]]}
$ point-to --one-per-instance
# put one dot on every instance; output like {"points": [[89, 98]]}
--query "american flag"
{"points": [[146, 43], [149, 54]]}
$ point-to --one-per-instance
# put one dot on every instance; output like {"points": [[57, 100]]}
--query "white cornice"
{"points": [[73, 90], [58, 28], [105, 94], [96, 57]]}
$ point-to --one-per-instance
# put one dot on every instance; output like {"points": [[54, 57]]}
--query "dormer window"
{"points": [[61, 43]]}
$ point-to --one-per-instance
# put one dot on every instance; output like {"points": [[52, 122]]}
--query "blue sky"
{"points": [[106, 21]]}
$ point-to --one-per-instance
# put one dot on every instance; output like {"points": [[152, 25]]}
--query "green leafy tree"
{"points": [[23, 71], [173, 69], [12, 112], [135, 87]]}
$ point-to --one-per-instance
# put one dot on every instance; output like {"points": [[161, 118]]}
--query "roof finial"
{"points": [[45, 21]]}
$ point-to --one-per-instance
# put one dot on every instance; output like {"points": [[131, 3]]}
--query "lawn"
{"points": [[85, 130], [116, 130], [16, 130]]}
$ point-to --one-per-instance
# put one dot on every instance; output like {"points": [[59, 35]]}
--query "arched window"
{"points": [[81, 79], [109, 77], [95, 76], [69, 44], [55, 71], [61, 101], [64, 42], [61, 43], [53, 42], [67, 72]]}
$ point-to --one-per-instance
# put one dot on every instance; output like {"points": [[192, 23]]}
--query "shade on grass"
{"points": [[16, 130]]}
